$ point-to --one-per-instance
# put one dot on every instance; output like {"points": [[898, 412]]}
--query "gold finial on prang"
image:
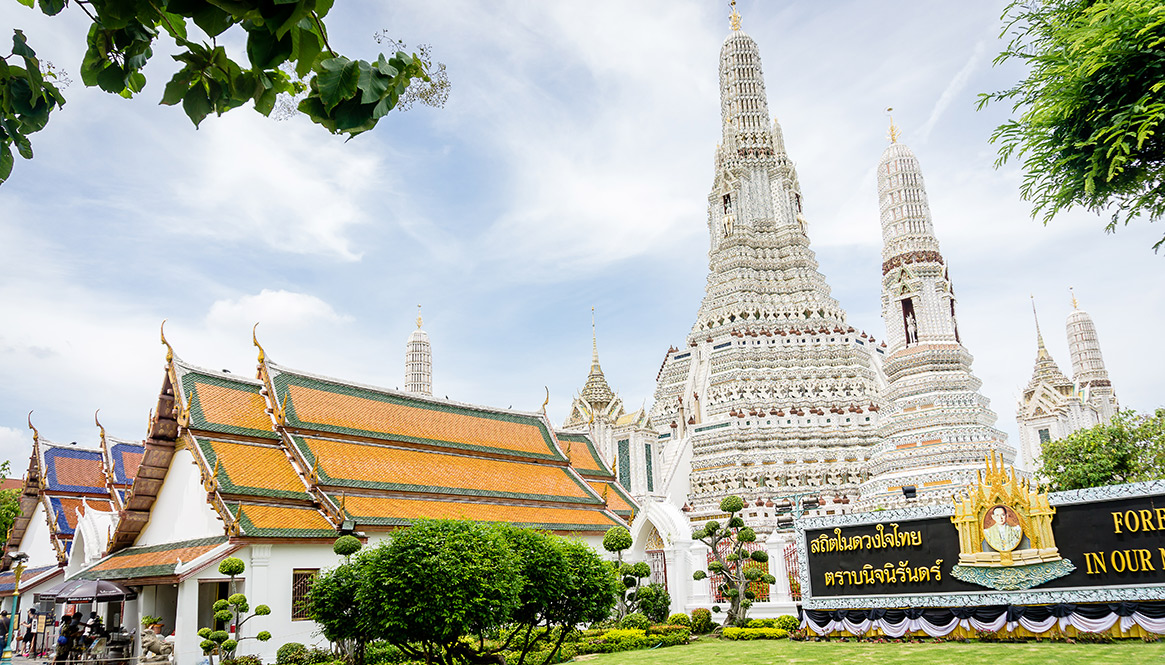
{"points": [[894, 131], [734, 17], [169, 349], [418, 317], [1075, 305]]}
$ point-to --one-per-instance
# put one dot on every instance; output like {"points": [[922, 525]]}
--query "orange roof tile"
{"points": [[347, 409], [277, 521], [156, 557], [583, 455], [66, 508], [229, 406], [394, 512], [381, 467], [615, 499], [245, 468]]}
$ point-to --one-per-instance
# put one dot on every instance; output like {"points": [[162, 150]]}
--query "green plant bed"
{"points": [[764, 652]]}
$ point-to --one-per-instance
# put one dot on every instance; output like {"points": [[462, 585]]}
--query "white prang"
{"points": [[1052, 405], [419, 361], [938, 427], [774, 393]]}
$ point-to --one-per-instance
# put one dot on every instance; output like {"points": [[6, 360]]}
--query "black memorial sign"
{"points": [[1111, 543], [890, 559]]}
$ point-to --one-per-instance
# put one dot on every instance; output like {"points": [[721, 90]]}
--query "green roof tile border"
{"points": [[594, 453], [284, 379], [327, 479], [228, 486]]}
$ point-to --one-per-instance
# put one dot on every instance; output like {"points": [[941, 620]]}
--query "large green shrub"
{"points": [[383, 653], [653, 601], [635, 622], [630, 639], [701, 621], [788, 622], [679, 619]]}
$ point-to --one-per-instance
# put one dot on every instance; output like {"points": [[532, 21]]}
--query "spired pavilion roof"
{"points": [[66, 480], [295, 455]]}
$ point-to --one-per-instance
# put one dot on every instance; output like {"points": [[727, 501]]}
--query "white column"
{"points": [[701, 595], [186, 639], [256, 585], [775, 546]]}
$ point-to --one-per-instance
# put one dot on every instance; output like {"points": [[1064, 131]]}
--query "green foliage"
{"points": [[788, 622], [346, 546], [224, 615], [229, 645], [219, 636], [731, 504], [679, 619], [287, 52], [204, 633], [9, 499], [383, 653], [653, 601], [262, 610], [220, 605], [616, 539], [701, 621], [149, 620], [332, 602], [735, 633], [292, 653], [630, 639], [263, 635], [231, 566], [470, 577], [1129, 448], [635, 621], [242, 660], [207, 646], [742, 572], [1091, 108]]}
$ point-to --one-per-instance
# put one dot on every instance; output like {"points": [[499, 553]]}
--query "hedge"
{"points": [[731, 633]]}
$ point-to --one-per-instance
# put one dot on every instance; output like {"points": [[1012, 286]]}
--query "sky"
{"points": [[569, 169]]}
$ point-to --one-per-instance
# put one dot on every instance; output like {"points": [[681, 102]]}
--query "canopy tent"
{"points": [[86, 591]]}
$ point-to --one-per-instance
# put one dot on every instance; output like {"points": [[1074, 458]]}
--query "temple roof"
{"points": [[29, 578], [156, 561], [297, 455]]}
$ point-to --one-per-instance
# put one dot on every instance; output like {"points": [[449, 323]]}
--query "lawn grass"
{"points": [[710, 651]]}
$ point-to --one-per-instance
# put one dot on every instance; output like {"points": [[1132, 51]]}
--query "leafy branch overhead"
{"points": [[1091, 108], [287, 53]]}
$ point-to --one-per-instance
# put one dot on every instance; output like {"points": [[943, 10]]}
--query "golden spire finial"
{"points": [[734, 17], [547, 400], [1075, 305], [255, 341], [169, 349], [594, 339], [894, 131], [418, 317]]}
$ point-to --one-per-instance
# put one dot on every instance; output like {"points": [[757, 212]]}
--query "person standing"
{"points": [[5, 626], [29, 631]]}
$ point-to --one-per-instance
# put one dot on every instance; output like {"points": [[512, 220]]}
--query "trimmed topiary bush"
{"points": [[292, 653], [701, 621], [635, 622], [679, 619]]}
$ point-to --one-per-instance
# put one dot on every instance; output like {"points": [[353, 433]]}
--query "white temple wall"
{"points": [[36, 542], [182, 495]]}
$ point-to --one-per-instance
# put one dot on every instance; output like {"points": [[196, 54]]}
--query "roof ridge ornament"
{"points": [[255, 341], [169, 349], [35, 433], [734, 18]]}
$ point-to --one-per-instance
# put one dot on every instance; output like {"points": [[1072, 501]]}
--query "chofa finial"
{"points": [[255, 341], [169, 349], [98, 423], [35, 433]]}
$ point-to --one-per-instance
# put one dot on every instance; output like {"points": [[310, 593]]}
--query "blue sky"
{"points": [[569, 169]]}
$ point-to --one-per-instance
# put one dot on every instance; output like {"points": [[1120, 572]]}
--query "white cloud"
{"points": [[276, 308], [14, 448]]}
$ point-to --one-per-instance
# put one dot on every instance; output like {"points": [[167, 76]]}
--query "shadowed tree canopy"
{"points": [[1091, 109], [287, 55]]}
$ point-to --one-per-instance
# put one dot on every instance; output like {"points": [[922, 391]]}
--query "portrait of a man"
{"points": [[1001, 528]]}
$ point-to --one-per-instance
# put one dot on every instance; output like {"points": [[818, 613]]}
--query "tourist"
{"points": [[29, 631], [5, 625]]}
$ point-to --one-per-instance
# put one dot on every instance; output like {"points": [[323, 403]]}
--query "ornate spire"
{"points": [[1043, 351], [419, 361], [1088, 368], [596, 391], [734, 18], [1075, 305]]}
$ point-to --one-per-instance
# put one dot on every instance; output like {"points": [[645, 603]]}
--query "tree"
{"points": [[1092, 107], [654, 602], [287, 53], [731, 564], [335, 603], [9, 502], [230, 611], [437, 582], [1129, 448]]}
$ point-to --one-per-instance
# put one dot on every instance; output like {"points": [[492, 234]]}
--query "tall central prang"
{"points": [[773, 394]]}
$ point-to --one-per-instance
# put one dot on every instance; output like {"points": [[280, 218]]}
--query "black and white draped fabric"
{"points": [[941, 621]]}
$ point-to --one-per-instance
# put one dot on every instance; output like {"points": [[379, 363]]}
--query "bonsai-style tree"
{"points": [[731, 564], [616, 540], [230, 611]]}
